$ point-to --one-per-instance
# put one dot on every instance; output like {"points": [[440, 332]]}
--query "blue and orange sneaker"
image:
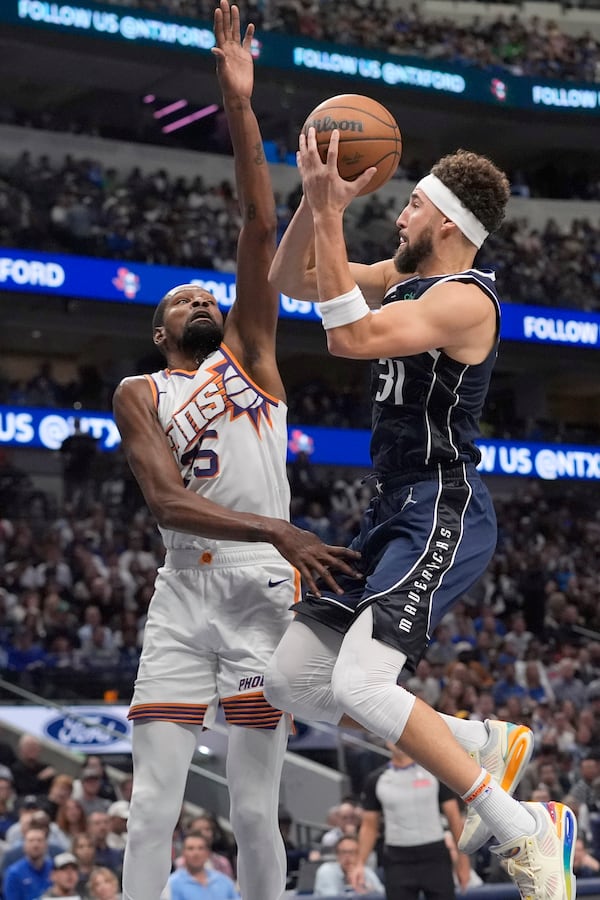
{"points": [[505, 757], [541, 864]]}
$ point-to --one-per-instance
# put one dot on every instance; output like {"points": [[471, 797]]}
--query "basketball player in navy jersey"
{"points": [[431, 530], [206, 439]]}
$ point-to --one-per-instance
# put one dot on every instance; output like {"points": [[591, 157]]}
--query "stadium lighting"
{"points": [[193, 117], [171, 108]]}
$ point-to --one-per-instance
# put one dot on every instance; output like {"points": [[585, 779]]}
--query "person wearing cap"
{"points": [[90, 799], [118, 813], [428, 320], [107, 788], [65, 877]]}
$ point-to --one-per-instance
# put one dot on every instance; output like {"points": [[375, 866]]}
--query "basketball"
{"points": [[369, 136]]}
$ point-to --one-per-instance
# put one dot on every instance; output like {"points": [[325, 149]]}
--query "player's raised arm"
{"points": [[252, 322], [293, 269]]}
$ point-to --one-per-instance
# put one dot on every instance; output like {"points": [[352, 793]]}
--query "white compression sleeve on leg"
{"points": [[298, 676], [364, 681], [254, 762], [162, 753]]}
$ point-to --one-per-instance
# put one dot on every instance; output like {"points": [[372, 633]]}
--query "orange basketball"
{"points": [[369, 136]]}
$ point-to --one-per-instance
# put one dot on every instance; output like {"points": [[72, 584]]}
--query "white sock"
{"points": [[470, 734], [505, 816]]}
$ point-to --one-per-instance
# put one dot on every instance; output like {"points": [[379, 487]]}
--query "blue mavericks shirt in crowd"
{"points": [[426, 408], [23, 882]]}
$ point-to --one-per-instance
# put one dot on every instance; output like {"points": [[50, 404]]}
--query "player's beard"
{"points": [[200, 338], [410, 256]]}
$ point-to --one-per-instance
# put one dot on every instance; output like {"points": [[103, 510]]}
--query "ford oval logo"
{"points": [[88, 728]]}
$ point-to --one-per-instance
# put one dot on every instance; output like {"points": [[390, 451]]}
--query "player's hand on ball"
{"points": [[323, 186], [368, 136]]}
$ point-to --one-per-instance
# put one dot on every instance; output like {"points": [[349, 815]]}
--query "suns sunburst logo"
{"points": [[241, 395], [227, 391]]}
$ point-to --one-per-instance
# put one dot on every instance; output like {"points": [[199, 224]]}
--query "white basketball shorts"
{"points": [[213, 623]]}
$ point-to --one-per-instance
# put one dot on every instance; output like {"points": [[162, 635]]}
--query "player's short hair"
{"points": [[197, 835], [344, 838], [159, 313], [479, 185]]}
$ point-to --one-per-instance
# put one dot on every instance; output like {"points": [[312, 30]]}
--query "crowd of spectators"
{"points": [[83, 207], [523, 644], [532, 47], [64, 836], [75, 584]]}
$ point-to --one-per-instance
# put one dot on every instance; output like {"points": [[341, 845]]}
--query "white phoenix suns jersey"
{"points": [[228, 437]]}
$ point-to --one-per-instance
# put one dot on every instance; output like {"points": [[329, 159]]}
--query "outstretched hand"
{"points": [[324, 188], [235, 66], [314, 559]]}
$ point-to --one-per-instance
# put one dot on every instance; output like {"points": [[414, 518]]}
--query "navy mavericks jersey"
{"points": [[426, 408]]}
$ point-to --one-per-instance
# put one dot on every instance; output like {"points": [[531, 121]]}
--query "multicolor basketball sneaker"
{"points": [[505, 757], [541, 864]]}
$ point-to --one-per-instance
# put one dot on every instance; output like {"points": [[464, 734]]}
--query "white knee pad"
{"points": [[364, 681], [298, 677]]}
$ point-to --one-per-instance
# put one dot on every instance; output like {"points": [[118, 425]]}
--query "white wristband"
{"points": [[343, 310]]}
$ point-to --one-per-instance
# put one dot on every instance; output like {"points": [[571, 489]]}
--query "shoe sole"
{"points": [[518, 754], [566, 830]]}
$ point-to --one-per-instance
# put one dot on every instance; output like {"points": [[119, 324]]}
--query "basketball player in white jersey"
{"points": [[206, 439]]}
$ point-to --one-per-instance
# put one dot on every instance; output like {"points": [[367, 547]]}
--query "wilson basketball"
{"points": [[369, 136]]}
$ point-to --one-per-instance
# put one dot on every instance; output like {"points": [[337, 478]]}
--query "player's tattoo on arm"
{"points": [[259, 156]]}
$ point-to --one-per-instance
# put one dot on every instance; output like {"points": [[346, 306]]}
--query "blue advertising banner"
{"points": [[47, 429], [28, 426], [133, 26], [548, 325], [127, 282], [122, 282]]}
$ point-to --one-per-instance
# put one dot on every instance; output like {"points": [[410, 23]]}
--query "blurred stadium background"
{"points": [[116, 183]]}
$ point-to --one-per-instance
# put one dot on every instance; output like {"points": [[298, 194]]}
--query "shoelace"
{"points": [[525, 877]]}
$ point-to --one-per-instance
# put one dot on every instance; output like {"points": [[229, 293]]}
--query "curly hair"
{"points": [[478, 183]]}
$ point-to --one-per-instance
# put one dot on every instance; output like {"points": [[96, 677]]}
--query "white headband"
{"points": [[449, 204]]}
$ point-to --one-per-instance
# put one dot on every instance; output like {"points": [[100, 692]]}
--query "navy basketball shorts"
{"points": [[425, 539]]}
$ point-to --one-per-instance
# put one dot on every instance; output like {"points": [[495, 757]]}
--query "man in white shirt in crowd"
{"points": [[334, 878]]}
